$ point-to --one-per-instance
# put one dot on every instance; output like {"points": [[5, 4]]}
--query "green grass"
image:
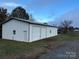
{"points": [[8, 47], [68, 36], [11, 47]]}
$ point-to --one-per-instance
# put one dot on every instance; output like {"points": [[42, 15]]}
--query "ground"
{"points": [[23, 50], [68, 50]]}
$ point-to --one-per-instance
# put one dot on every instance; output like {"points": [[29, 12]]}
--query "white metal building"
{"points": [[25, 30]]}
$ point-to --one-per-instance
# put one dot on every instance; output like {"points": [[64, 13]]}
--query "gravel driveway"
{"points": [[68, 50]]}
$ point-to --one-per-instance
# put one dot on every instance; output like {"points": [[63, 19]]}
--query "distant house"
{"points": [[76, 29], [25, 30]]}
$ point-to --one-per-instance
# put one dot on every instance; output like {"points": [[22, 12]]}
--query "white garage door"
{"points": [[35, 32], [43, 32]]}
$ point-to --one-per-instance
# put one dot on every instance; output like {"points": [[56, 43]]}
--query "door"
{"points": [[25, 35]]}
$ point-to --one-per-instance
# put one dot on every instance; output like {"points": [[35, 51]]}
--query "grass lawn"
{"points": [[13, 49], [68, 36], [22, 50]]}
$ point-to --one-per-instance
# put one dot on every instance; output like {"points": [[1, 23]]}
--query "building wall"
{"points": [[34, 32], [43, 32], [20, 27], [38, 32], [26, 32], [51, 31]]}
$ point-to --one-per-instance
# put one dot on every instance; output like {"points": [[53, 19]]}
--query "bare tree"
{"points": [[65, 25]]}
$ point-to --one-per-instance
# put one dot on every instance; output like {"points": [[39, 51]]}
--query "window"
{"points": [[14, 32], [24, 31]]}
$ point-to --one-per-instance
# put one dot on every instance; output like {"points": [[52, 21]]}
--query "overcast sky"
{"points": [[52, 11]]}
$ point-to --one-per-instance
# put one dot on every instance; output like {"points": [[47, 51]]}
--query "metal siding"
{"points": [[43, 32], [40, 32], [52, 33], [35, 32], [48, 31], [19, 26]]}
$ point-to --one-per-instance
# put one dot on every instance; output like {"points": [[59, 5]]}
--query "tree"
{"points": [[20, 12], [65, 26], [3, 14], [71, 28]]}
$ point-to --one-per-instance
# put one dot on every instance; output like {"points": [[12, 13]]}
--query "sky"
{"points": [[51, 11]]}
